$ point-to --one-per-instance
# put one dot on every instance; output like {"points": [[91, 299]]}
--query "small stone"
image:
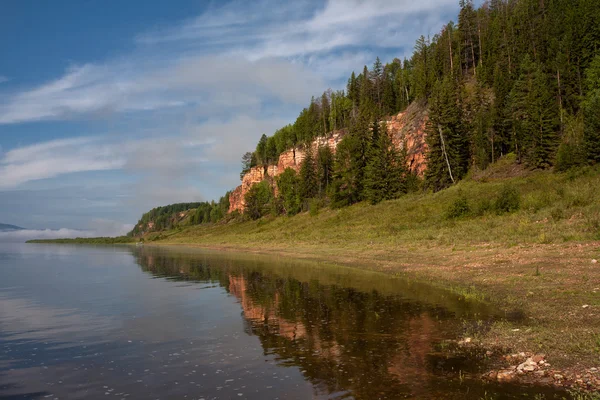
{"points": [[558, 377], [467, 340], [594, 261], [585, 306], [505, 375], [488, 353], [593, 369], [529, 368], [538, 358], [516, 330], [539, 373]]}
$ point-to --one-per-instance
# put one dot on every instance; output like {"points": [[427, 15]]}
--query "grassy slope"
{"points": [[536, 260]]}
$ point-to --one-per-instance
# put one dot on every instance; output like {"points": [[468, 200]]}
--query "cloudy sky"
{"points": [[109, 108]]}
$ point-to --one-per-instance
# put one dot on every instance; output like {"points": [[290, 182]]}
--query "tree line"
{"points": [[167, 217], [512, 76]]}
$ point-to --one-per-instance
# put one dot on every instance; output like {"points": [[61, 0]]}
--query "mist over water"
{"points": [[139, 322]]}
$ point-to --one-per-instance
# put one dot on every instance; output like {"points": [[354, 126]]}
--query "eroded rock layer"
{"points": [[406, 128]]}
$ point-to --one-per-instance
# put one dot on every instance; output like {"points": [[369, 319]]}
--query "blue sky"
{"points": [[109, 108]]}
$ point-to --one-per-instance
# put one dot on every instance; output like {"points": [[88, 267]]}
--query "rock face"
{"points": [[407, 130], [236, 198]]}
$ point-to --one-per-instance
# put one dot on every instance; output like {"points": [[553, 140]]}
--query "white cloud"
{"points": [[57, 157], [3, 79], [143, 84], [235, 56], [303, 28]]}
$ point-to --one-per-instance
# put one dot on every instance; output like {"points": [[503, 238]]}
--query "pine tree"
{"points": [[385, 173], [324, 169], [261, 150], [288, 186], [534, 116], [308, 176], [350, 162], [448, 155], [377, 79]]}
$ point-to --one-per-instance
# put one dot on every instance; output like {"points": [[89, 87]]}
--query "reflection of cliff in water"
{"points": [[343, 339], [366, 338]]}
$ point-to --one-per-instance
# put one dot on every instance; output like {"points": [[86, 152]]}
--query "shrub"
{"points": [[314, 205], [509, 200], [258, 200], [482, 207], [459, 208]]}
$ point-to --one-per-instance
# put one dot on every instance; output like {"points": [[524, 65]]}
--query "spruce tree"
{"points": [[534, 115], [325, 161], [385, 173], [288, 185], [448, 154], [308, 176]]}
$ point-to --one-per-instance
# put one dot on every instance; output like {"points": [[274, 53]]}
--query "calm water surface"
{"points": [[82, 322]]}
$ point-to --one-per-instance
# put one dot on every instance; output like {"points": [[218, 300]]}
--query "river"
{"points": [[81, 322]]}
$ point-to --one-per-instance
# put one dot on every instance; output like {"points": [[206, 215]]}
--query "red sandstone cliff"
{"points": [[406, 128], [408, 131]]}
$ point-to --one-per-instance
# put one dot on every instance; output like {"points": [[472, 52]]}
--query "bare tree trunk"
{"points": [[479, 34], [444, 151], [473, 55]]}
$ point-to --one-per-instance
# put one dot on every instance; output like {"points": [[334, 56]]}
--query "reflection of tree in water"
{"points": [[347, 342], [341, 338]]}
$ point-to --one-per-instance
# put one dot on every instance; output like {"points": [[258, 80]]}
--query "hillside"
{"points": [[8, 227]]}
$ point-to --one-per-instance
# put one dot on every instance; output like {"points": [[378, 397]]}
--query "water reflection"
{"points": [[375, 337], [89, 322]]}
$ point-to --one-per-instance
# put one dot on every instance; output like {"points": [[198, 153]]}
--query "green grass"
{"points": [[553, 208]]}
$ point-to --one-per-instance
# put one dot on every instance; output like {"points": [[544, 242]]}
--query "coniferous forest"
{"points": [[512, 76]]}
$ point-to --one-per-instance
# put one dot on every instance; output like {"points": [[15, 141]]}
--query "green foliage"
{"points": [[448, 156], [314, 205], [385, 173], [509, 200], [591, 107], [288, 185], [308, 175], [258, 200], [571, 152], [459, 207], [325, 164], [534, 115], [162, 217]]}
